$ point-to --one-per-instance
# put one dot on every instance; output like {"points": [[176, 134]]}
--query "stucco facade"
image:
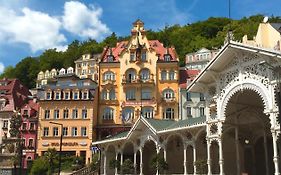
{"points": [[137, 75], [72, 103]]}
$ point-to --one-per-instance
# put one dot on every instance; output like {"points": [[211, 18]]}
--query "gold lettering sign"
{"points": [[65, 144]]}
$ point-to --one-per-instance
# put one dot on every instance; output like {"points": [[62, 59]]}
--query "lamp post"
{"points": [[61, 134]]}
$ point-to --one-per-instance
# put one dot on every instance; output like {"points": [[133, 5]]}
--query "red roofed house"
{"points": [[15, 99], [138, 76]]}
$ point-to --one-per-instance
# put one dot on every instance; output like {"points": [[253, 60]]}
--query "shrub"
{"points": [[128, 167], [39, 167]]}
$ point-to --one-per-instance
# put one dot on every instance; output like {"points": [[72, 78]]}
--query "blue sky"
{"points": [[28, 27]]}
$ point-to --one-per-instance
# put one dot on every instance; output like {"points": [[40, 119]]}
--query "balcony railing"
{"points": [[137, 80], [109, 82], [169, 100], [144, 102]]}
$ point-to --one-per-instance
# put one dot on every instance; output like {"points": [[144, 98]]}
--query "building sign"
{"points": [[65, 144]]}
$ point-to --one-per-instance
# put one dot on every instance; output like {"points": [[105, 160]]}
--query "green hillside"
{"points": [[188, 38]]}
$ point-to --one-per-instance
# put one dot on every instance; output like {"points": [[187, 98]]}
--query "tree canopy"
{"points": [[188, 38]]}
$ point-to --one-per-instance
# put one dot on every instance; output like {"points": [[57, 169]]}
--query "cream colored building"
{"points": [[268, 36], [72, 102], [87, 66]]}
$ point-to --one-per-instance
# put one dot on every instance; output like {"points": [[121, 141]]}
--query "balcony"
{"points": [[170, 100], [138, 80], [144, 102], [109, 82], [109, 102]]}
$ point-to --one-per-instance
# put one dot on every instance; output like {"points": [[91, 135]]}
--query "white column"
{"points": [[165, 154], [209, 157], [121, 161], [220, 157], [157, 151], [116, 158], [265, 152], [184, 160], [141, 164], [135, 162], [237, 151], [275, 153], [104, 164], [194, 159]]}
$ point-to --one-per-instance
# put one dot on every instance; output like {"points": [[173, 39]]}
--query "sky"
{"points": [[28, 27]]}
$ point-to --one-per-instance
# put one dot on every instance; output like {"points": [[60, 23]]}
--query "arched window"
{"points": [[62, 71], [108, 76], [108, 113], [168, 113], [130, 75], [147, 112], [168, 94], [127, 114], [163, 75], [112, 94], [145, 74], [70, 70]]}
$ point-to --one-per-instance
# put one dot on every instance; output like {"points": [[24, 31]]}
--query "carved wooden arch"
{"points": [[255, 86]]}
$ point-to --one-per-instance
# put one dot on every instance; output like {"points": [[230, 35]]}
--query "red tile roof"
{"points": [[156, 45], [15, 94], [187, 75]]}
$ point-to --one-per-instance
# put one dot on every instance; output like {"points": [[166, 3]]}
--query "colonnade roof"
{"points": [[157, 127]]}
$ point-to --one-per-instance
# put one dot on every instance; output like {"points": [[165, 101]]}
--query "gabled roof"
{"points": [[156, 126], [186, 75], [222, 59], [276, 26]]}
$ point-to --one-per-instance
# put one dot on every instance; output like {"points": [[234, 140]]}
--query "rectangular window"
{"points": [[47, 114], [32, 126], [24, 126], [76, 95], [66, 95], [188, 111], [202, 98], [83, 131], [65, 113], [25, 112], [65, 131], [85, 95], [74, 131], [56, 114], [84, 113], [48, 95], [30, 143], [74, 113], [131, 94], [132, 57], [202, 111], [146, 94], [5, 124], [57, 96], [143, 56], [188, 96], [45, 131], [163, 75], [171, 75], [55, 131]]}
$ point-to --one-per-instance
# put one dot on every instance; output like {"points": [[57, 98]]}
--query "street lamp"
{"points": [[55, 123]]}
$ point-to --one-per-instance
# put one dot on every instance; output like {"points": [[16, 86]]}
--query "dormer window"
{"points": [[76, 95], [48, 95], [66, 95], [110, 58], [85, 95], [167, 57], [57, 96]]}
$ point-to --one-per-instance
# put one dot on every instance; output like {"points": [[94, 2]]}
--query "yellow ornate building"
{"points": [[68, 106], [138, 76]]}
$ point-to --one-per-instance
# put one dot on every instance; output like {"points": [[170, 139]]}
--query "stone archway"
{"points": [[175, 157], [245, 123]]}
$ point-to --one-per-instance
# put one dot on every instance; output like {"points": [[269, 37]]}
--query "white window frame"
{"points": [[55, 131], [74, 113], [56, 114], [108, 113], [169, 113], [168, 94], [84, 131], [45, 131], [74, 132], [147, 112], [163, 75], [47, 114], [128, 113], [65, 131], [65, 113], [131, 94], [84, 113]]}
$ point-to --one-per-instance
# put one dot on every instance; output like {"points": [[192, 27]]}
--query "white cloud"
{"points": [[2, 67], [38, 30], [83, 21]]}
